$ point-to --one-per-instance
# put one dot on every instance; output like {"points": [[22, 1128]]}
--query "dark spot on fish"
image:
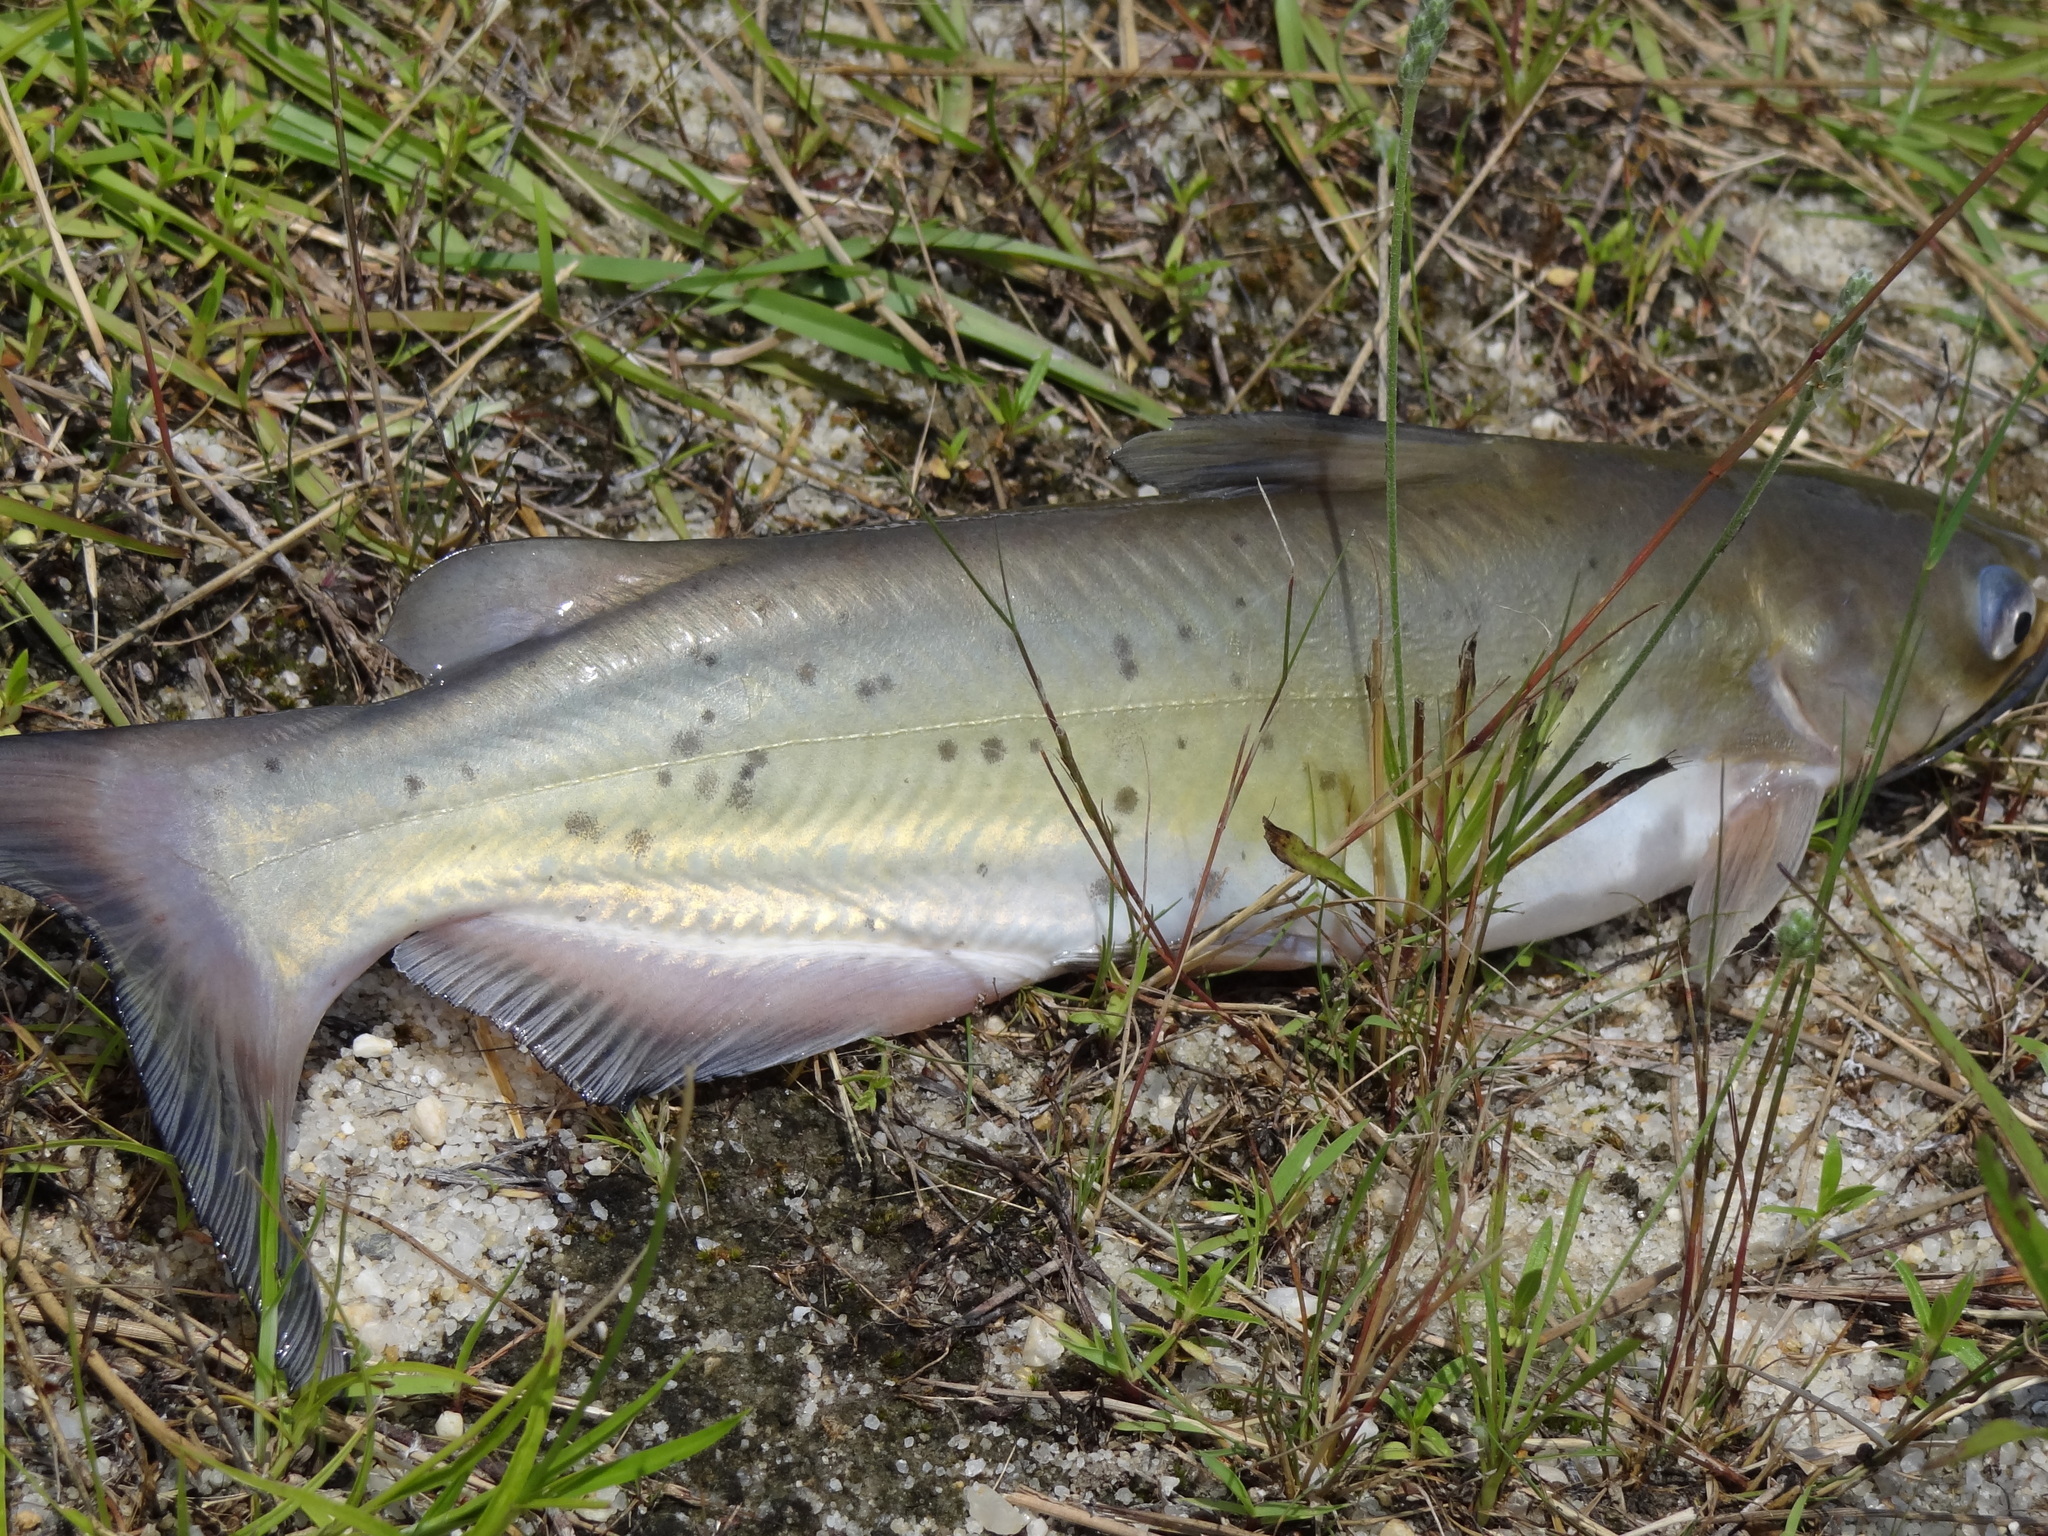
{"points": [[686, 744], [807, 674], [948, 750], [1213, 886], [741, 795], [1181, 742], [755, 761], [414, 783], [639, 841], [581, 824], [1033, 747], [992, 749], [1326, 780], [875, 923], [982, 870], [664, 778], [1099, 888], [869, 687], [1126, 800], [272, 765], [708, 716], [1237, 679], [1237, 602], [1239, 540], [1126, 662], [711, 658], [706, 784], [469, 773], [1186, 631], [1265, 741]]}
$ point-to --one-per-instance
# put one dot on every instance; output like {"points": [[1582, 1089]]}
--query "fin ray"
{"points": [[621, 1011], [216, 1036], [1763, 834], [1224, 456], [481, 601]]}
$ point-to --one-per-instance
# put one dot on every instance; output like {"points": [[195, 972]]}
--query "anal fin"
{"points": [[620, 1011], [1763, 835]]}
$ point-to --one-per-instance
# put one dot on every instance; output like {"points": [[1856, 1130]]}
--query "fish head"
{"points": [[1983, 645], [1980, 632]]}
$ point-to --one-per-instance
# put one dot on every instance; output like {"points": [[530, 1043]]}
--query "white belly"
{"points": [[1651, 844]]}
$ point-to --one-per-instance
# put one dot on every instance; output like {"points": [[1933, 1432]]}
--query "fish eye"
{"points": [[2005, 610]]}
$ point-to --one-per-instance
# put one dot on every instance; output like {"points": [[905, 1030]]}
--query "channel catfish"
{"points": [[712, 805]]}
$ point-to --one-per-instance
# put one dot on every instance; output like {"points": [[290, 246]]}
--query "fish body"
{"points": [[709, 806]]}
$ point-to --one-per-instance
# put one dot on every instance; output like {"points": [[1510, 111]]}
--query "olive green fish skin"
{"points": [[837, 739], [778, 794]]}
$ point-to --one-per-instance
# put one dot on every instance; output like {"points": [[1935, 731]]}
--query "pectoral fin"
{"points": [[1763, 834]]}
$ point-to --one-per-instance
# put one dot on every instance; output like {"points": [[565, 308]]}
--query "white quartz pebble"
{"points": [[1041, 1346], [430, 1118], [367, 1046], [1289, 1304], [449, 1424], [994, 1512]]}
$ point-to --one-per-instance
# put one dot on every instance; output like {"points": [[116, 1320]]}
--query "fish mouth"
{"points": [[2021, 686]]}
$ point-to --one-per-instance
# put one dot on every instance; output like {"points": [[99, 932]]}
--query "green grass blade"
{"points": [[57, 522], [986, 329], [642, 1463], [856, 338], [60, 637]]}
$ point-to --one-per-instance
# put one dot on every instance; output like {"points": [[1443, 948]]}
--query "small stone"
{"points": [[1561, 277], [449, 1424], [370, 1046], [429, 1117], [1289, 1304], [598, 1167], [1041, 1347], [994, 1512]]}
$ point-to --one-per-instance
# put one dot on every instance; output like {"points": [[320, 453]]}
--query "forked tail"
{"points": [[107, 827]]}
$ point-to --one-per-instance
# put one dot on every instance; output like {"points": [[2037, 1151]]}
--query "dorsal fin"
{"points": [[479, 601], [1221, 456]]}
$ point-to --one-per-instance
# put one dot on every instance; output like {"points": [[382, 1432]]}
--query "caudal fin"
{"points": [[106, 826]]}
